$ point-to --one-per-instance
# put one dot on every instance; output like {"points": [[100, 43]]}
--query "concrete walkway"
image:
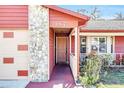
{"points": [[61, 78], [13, 83]]}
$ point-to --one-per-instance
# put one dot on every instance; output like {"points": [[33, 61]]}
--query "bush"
{"points": [[90, 70], [106, 61], [100, 85]]}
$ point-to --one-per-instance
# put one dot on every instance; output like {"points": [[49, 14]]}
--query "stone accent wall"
{"points": [[39, 42]]}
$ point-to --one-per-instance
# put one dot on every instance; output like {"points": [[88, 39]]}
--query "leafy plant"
{"points": [[106, 61], [90, 70], [100, 85]]}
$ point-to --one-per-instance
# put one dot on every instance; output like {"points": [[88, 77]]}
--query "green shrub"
{"points": [[106, 61], [100, 85], [90, 70]]}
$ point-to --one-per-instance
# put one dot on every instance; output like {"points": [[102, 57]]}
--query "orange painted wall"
{"points": [[51, 50], [13, 16], [62, 20], [68, 49], [119, 44], [73, 44]]}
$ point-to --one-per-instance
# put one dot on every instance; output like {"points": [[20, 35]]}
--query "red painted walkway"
{"points": [[61, 78]]}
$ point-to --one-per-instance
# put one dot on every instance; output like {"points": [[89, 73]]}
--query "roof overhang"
{"points": [[82, 18]]}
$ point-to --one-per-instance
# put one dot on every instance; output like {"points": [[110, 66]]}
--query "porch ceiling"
{"points": [[62, 30]]}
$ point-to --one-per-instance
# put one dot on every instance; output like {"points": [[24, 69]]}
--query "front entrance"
{"points": [[61, 78], [61, 49]]}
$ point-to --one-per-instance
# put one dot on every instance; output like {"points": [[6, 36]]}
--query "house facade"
{"points": [[35, 38], [106, 36]]}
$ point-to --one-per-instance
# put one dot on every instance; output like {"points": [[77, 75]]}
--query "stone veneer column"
{"points": [[39, 42]]}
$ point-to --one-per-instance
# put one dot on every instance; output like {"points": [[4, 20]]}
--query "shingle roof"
{"points": [[104, 25]]}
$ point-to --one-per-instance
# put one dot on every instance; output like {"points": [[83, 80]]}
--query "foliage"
{"points": [[94, 13], [90, 70], [119, 16], [100, 85], [106, 61]]}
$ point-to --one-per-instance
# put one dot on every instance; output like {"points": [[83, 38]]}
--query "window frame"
{"points": [[98, 43]]}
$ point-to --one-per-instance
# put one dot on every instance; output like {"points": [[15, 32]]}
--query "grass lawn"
{"points": [[113, 86], [114, 79]]}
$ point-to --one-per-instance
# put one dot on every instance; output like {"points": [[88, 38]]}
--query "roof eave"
{"points": [[72, 13]]}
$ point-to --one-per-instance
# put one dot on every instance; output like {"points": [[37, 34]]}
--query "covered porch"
{"points": [[50, 29], [63, 47], [61, 78], [109, 43], [107, 37]]}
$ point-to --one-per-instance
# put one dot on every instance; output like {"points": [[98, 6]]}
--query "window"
{"points": [[102, 45], [83, 45], [99, 44]]}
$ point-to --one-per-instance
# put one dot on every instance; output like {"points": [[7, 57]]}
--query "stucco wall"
{"points": [[39, 43], [14, 42], [14, 55]]}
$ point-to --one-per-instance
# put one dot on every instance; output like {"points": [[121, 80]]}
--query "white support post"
{"points": [[77, 50], [88, 44], [108, 44]]}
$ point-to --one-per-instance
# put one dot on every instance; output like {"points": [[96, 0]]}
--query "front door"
{"points": [[61, 49]]}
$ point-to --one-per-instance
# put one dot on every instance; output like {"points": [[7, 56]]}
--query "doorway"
{"points": [[61, 50]]}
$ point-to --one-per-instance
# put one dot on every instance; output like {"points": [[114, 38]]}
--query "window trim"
{"points": [[98, 42]]}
